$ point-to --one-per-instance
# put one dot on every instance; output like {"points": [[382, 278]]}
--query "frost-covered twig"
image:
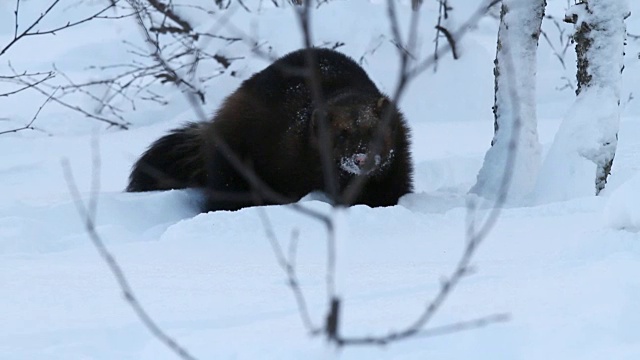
{"points": [[88, 215]]}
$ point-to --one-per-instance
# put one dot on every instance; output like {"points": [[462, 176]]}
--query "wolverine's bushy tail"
{"points": [[174, 161]]}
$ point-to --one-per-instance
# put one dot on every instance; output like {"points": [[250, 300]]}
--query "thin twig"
{"points": [[168, 12], [16, 12], [123, 126], [95, 16], [30, 124], [48, 76], [451, 40], [288, 266], [432, 332], [34, 24], [88, 215], [29, 31], [474, 239], [480, 12]]}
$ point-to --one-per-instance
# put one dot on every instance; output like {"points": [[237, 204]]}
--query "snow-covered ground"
{"points": [[565, 272]]}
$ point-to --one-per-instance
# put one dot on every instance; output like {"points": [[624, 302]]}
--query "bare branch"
{"points": [[34, 24], [15, 13], [29, 126], [288, 266], [451, 40], [76, 108], [461, 31], [171, 74], [69, 24], [13, 78], [435, 331], [30, 30], [406, 74], [166, 10]]}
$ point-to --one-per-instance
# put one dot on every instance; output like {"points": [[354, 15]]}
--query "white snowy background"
{"points": [[566, 272]]}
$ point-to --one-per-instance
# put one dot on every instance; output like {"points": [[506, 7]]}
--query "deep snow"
{"points": [[566, 272]]}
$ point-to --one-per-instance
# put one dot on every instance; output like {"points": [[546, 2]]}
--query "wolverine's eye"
{"points": [[343, 135]]}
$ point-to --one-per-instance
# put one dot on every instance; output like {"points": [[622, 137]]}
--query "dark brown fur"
{"points": [[274, 125]]}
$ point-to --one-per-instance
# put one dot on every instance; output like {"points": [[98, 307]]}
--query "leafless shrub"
{"points": [[26, 80]]}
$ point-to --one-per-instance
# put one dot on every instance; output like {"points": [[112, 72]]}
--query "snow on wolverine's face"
{"points": [[356, 164]]}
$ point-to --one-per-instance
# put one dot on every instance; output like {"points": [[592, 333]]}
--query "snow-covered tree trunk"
{"points": [[515, 104], [582, 153]]}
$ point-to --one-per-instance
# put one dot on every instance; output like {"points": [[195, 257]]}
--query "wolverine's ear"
{"points": [[382, 104], [384, 107]]}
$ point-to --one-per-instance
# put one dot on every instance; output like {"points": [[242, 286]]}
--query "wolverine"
{"points": [[313, 120]]}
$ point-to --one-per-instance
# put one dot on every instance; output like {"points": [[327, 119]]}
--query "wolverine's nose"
{"points": [[360, 159]]}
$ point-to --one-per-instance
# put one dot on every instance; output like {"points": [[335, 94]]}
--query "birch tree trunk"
{"points": [[582, 153], [514, 156]]}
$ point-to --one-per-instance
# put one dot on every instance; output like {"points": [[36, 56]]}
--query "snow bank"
{"points": [[28, 228]]}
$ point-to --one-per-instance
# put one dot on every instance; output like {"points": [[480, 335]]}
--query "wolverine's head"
{"points": [[360, 131]]}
